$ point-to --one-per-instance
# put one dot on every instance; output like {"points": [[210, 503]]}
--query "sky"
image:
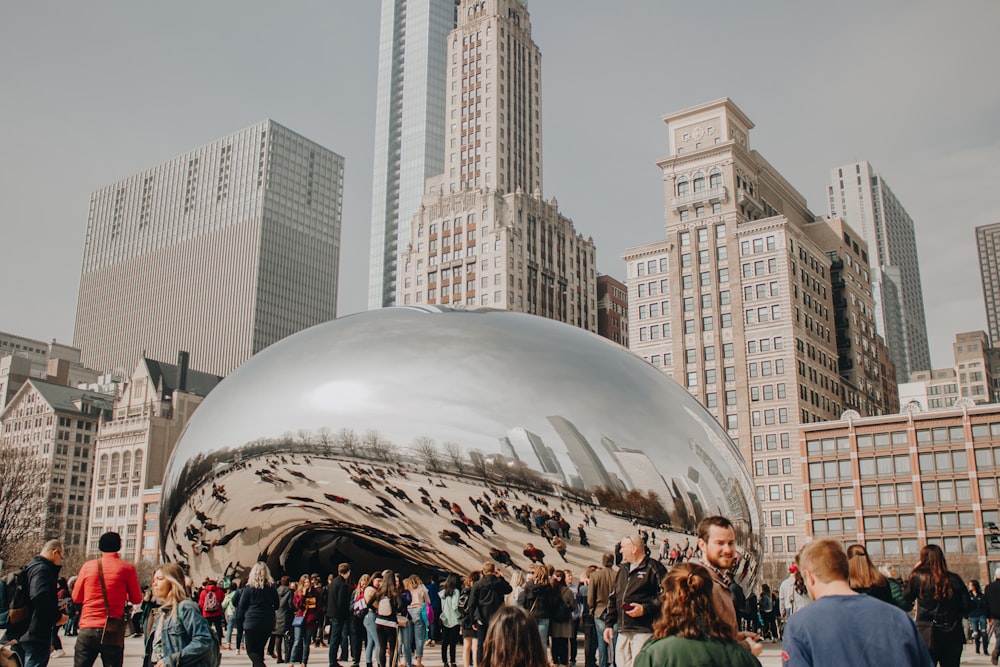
{"points": [[91, 93]]}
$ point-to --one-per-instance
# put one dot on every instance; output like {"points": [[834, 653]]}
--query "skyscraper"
{"points": [[221, 251], [409, 128], [863, 198], [988, 244], [737, 304], [483, 235]]}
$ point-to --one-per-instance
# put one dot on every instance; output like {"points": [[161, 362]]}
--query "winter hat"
{"points": [[110, 543]]}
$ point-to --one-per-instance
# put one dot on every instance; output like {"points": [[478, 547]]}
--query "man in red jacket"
{"points": [[122, 584]]}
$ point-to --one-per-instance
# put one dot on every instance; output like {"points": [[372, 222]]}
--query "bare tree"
{"points": [[456, 454], [22, 493], [377, 446], [479, 463], [348, 441], [427, 449], [325, 439]]}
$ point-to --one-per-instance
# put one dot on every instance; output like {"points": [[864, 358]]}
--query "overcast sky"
{"points": [[92, 92]]}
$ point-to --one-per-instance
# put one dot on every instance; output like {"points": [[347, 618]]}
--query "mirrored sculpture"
{"points": [[444, 438]]}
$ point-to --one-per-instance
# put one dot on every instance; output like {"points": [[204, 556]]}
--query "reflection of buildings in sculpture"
{"points": [[736, 496], [638, 472], [591, 471], [684, 494], [700, 497], [521, 444]]}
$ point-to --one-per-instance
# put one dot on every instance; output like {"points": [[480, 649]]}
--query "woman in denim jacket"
{"points": [[177, 635]]}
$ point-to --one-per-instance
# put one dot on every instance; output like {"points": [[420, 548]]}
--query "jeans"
{"points": [[980, 636], [33, 654], [413, 636], [372, 645], [543, 630], [338, 639], [233, 625], [88, 647], [589, 641], [300, 644], [602, 646]]}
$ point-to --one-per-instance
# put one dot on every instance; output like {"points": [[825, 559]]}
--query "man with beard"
{"points": [[717, 543]]}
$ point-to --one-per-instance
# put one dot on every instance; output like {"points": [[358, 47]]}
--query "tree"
{"points": [[348, 441], [325, 439], [428, 450], [22, 494], [379, 447], [456, 454]]}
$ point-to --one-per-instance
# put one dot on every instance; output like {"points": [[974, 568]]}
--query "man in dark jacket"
{"points": [[992, 598], [634, 602], [34, 643], [486, 597], [338, 610]]}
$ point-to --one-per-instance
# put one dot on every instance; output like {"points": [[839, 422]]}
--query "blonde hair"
{"points": [[260, 576], [177, 591]]}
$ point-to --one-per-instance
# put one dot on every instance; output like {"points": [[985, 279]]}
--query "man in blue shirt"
{"points": [[842, 627]]}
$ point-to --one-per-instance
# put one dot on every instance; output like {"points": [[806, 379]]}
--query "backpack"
{"points": [[765, 604], [385, 607], [559, 612], [463, 602], [15, 611], [212, 604]]}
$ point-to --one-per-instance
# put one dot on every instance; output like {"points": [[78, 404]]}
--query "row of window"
{"points": [[772, 467]]}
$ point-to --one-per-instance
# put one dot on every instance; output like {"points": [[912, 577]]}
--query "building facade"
{"points": [[988, 244], [738, 304], [612, 309], [483, 235], [862, 197], [895, 483], [409, 128], [975, 376], [22, 358], [221, 251], [134, 445], [58, 425]]}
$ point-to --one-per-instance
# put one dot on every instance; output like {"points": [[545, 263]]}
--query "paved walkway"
{"points": [[134, 648]]}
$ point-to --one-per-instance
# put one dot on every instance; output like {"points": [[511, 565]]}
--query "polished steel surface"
{"points": [[370, 438]]}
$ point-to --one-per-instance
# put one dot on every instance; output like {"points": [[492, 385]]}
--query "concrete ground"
{"points": [[134, 648]]}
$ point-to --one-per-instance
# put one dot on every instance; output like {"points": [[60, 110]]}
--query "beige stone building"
{"points": [[898, 482], [737, 303], [59, 425], [975, 376], [22, 358], [484, 235], [134, 444]]}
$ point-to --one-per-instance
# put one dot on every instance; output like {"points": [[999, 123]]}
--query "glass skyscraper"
{"points": [[409, 127]]}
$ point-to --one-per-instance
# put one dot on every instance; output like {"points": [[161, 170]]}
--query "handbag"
{"points": [[8, 656], [114, 627], [298, 621]]}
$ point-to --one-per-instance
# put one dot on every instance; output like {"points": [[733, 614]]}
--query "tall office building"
{"points": [[863, 198], [737, 303], [483, 235], [988, 244], [221, 251], [409, 128]]}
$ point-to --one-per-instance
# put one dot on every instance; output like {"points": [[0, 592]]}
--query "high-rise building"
{"points": [[988, 244], [738, 304], [409, 128], [612, 309], [483, 235], [221, 251], [135, 442], [862, 197]]}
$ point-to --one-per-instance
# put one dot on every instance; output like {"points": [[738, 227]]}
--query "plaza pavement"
{"points": [[134, 648]]}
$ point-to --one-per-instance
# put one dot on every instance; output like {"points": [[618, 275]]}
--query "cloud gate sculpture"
{"points": [[429, 439]]}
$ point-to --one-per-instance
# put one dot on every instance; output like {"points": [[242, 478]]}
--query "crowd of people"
{"points": [[681, 606]]}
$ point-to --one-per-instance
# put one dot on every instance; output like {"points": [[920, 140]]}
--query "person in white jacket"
{"points": [[789, 599]]}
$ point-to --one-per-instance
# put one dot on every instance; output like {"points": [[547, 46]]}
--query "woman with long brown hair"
{"points": [[865, 577], [689, 631], [513, 640], [469, 648], [942, 602]]}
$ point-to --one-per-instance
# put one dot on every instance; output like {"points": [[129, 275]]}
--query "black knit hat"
{"points": [[110, 543]]}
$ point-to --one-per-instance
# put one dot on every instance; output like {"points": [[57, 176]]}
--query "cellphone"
{"points": [[627, 606]]}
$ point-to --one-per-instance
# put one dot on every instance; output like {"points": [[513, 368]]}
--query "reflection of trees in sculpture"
{"points": [[348, 441], [382, 449], [457, 456], [635, 504], [428, 450]]}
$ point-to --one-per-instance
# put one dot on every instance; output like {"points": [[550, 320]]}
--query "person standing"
{"points": [[636, 594], [280, 645], [306, 619], [451, 620], [602, 581], [586, 619], [338, 610], [34, 636], [103, 587], [176, 633], [991, 594], [942, 602], [486, 597], [210, 602], [843, 627], [977, 617], [257, 611]]}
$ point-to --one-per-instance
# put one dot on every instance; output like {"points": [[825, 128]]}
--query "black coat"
{"points": [[338, 599], [991, 594], [256, 608], [283, 617], [42, 574]]}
